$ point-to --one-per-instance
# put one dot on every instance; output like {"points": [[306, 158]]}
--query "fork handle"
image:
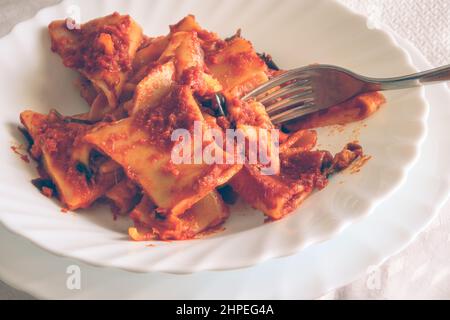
{"points": [[441, 74]]}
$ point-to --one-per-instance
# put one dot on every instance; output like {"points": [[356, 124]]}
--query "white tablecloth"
{"points": [[423, 269]]}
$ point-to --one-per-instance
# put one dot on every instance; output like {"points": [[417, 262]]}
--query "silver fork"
{"points": [[309, 89]]}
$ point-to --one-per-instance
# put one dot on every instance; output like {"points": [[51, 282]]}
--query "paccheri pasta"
{"points": [[140, 90]]}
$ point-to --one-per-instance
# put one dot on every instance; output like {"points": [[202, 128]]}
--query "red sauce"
{"points": [[160, 122], [307, 168], [245, 113], [359, 163], [347, 156], [208, 232], [16, 150], [58, 138], [93, 55], [48, 192]]}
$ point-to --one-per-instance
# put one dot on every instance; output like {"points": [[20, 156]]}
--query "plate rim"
{"points": [[20, 285], [374, 202]]}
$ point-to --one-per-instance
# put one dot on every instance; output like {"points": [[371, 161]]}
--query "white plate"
{"points": [[307, 275], [301, 32]]}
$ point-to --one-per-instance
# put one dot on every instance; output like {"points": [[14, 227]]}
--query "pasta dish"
{"points": [[140, 90]]}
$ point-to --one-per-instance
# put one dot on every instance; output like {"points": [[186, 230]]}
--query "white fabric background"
{"points": [[426, 23], [423, 269]]}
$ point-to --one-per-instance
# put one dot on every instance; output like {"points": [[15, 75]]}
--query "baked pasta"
{"points": [[141, 91]]}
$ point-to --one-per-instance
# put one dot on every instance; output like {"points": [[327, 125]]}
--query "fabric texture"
{"points": [[425, 23]]}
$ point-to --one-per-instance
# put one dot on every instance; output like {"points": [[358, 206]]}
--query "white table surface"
{"points": [[422, 270]]}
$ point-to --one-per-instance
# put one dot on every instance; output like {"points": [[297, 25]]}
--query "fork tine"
{"points": [[288, 76], [293, 113], [301, 98], [284, 91]]}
